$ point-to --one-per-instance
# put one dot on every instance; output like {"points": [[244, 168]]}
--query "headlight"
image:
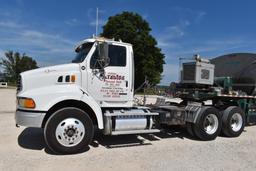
{"points": [[26, 102]]}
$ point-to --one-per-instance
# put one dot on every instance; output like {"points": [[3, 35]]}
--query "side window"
{"points": [[117, 55]]}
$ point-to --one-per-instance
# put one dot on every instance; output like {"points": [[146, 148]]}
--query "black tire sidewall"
{"points": [[198, 127], [190, 130], [56, 118], [227, 115]]}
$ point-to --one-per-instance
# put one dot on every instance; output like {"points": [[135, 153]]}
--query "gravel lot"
{"points": [[24, 149]]}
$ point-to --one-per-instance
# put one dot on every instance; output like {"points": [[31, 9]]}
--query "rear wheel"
{"points": [[190, 130], [233, 121], [68, 130], [208, 125]]}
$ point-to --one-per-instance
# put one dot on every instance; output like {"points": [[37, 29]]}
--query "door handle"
{"points": [[126, 83]]}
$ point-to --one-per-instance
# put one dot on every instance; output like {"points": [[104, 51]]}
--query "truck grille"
{"points": [[19, 84]]}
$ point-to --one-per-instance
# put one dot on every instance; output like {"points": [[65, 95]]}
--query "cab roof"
{"points": [[100, 39]]}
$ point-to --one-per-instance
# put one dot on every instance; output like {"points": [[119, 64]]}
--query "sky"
{"points": [[48, 30]]}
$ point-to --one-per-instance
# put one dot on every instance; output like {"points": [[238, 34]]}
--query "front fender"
{"points": [[86, 98], [46, 97]]}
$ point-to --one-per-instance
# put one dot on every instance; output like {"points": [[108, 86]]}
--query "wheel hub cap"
{"points": [[236, 122], [210, 124], [70, 132]]}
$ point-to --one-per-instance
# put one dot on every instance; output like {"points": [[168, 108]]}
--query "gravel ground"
{"points": [[24, 149]]}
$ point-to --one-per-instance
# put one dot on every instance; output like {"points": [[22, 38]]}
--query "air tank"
{"points": [[241, 67]]}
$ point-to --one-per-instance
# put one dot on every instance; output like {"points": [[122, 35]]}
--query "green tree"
{"points": [[132, 28], [14, 64]]}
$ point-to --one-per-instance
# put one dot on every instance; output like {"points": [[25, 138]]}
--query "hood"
{"points": [[48, 76]]}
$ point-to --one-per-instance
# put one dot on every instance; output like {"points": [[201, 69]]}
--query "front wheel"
{"points": [[68, 130]]}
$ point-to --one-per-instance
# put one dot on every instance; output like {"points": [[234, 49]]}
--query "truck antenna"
{"points": [[97, 21]]}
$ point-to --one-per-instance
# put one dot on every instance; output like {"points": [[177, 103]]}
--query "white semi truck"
{"points": [[97, 89]]}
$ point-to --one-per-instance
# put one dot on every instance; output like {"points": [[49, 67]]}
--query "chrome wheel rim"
{"points": [[70, 132], [236, 122], [211, 124]]}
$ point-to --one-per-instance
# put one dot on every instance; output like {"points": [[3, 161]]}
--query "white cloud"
{"points": [[175, 31], [10, 24], [33, 39], [174, 39], [214, 45], [32, 34], [43, 46], [165, 39], [72, 22], [191, 14], [100, 23], [200, 16], [187, 17]]}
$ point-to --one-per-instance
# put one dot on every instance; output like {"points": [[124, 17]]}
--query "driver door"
{"points": [[109, 85]]}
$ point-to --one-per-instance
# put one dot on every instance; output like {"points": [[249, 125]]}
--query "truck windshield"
{"points": [[82, 52]]}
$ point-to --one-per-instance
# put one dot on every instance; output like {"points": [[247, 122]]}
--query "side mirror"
{"points": [[103, 54]]}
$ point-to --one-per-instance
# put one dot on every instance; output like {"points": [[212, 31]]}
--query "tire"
{"points": [[190, 130], [68, 131], [233, 121], [208, 124]]}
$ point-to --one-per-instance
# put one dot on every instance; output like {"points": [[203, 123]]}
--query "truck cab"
{"points": [[98, 84]]}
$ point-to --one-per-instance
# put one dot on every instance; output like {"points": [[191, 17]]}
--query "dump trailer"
{"points": [[97, 90]]}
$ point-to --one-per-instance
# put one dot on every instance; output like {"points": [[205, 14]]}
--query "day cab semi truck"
{"points": [[97, 90]]}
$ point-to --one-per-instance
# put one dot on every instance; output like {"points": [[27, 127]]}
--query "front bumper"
{"points": [[29, 118]]}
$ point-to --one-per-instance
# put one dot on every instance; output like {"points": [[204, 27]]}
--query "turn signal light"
{"points": [[73, 78], [26, 103]]}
